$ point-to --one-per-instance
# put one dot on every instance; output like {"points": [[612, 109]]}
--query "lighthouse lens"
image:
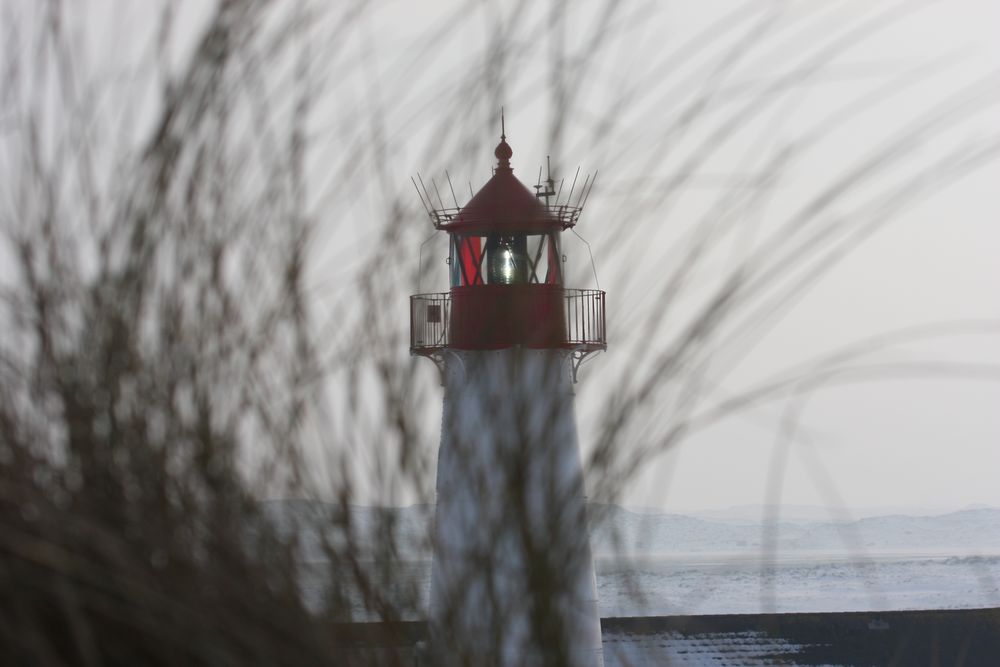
{"points": [[507, 266], [507, 259]]}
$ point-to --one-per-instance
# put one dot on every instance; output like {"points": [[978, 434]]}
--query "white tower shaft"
{"points": [[513, 577]]}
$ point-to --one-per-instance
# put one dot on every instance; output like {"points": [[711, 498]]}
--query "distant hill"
{"points": [[619, 531], [754, 514]]}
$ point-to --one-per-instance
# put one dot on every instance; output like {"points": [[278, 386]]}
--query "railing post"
{"points": [[604, 322], [589, 305]]}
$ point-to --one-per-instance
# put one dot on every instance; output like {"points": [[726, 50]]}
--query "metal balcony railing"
{"points": [[583, 312], [443, 217], [430, 315], [585, 324]]}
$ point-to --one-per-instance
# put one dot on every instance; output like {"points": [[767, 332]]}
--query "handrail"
{"points": [[583, 312]]}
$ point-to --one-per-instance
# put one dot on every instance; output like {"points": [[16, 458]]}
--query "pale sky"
{"points": [[886, 439], [427, 79]]}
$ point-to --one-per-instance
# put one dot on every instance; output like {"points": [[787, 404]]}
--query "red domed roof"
{"points": [[504, 204]]}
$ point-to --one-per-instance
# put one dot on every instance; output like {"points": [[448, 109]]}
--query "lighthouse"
{"points": [[512, 580]]}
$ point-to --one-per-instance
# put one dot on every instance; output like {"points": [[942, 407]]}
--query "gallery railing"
{"points": [[431, 320]]}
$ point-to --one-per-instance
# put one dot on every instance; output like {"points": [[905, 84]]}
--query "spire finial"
{"points": [[503, 151]]}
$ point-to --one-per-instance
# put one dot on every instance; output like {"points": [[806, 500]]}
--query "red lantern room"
{"points": [[506, 273]]}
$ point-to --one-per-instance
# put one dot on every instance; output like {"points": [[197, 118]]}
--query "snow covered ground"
{"points": [[658, 564], [652, 564], [712, 584], [817, 582]]}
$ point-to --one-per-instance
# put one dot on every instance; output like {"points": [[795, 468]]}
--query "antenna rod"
{"points": [[572, 187], [592, 181], [440, 201], [503, 130], [549, 189], [422, 202], [452, 188], [583, 188], [429, 201]]}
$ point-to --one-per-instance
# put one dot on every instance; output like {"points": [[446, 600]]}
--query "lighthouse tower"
{"points": [[513, 577]]}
